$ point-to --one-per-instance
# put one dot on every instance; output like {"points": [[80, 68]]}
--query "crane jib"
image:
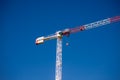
{"points": [[95, 24]]}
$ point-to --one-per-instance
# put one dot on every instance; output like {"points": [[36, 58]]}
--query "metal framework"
{"points": [[58, 72], [66, 32]]}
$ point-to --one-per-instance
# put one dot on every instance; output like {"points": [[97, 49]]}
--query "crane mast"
{"points": [[58, 72], [66, 32]]}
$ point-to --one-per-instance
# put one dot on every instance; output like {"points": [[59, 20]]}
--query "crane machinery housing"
{"points": [[66, 32]]}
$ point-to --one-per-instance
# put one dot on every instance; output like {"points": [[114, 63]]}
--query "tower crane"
{"points": [[66, 32]]}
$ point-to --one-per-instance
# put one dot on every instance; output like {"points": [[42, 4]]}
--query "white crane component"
{"points": [[57, 35], [41, 40], [66, 32], [58, 72], [97, 24]]}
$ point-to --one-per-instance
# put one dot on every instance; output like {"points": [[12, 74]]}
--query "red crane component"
{"points": [[114, 19], [67, 32], [80, 28]]}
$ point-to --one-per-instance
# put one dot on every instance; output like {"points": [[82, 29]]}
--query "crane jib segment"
{"points": [[95, 24], [114, 19]]}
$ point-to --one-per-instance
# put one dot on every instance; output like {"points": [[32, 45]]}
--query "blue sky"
{"points": [[91, 55]]}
